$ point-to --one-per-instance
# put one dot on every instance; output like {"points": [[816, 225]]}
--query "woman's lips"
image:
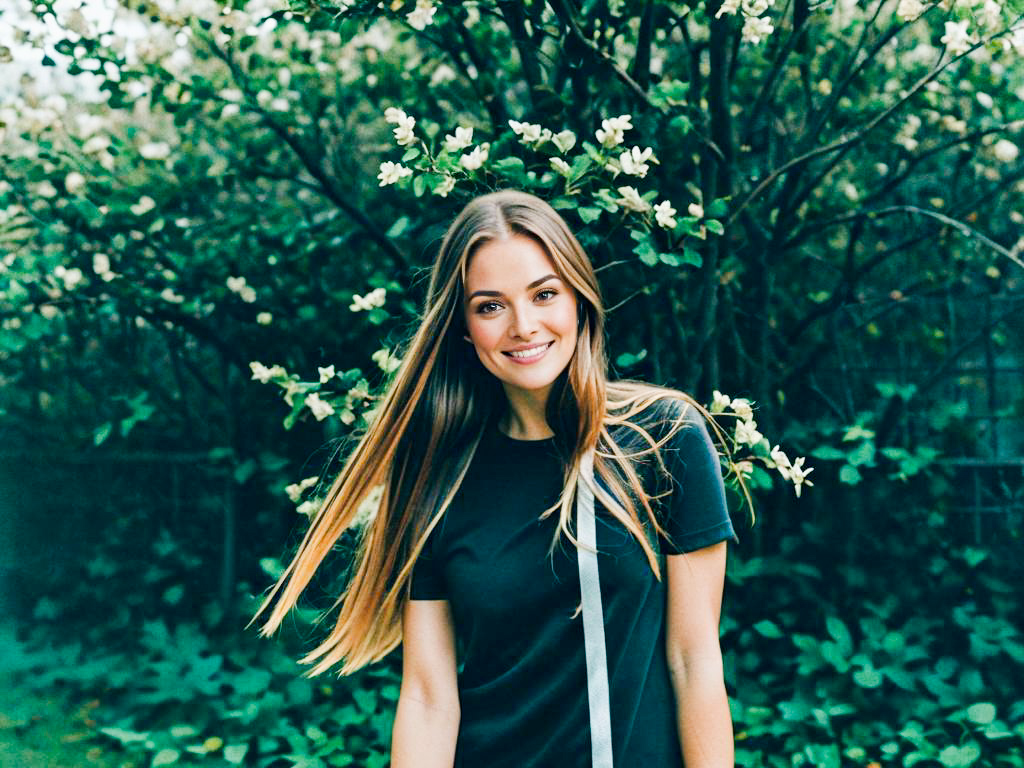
{"points": [[532, 358]]}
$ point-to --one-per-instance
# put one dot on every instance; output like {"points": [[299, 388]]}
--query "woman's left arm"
{"points": [[694, 583]]}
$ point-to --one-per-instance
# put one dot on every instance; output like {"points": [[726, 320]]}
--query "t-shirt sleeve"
{"points": [[695, 515], [427, 573]]}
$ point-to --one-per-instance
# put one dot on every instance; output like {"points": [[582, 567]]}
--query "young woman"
{"points": [[549, 548]]}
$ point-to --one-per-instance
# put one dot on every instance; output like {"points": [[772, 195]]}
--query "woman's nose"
{"points": [[524, 322]]}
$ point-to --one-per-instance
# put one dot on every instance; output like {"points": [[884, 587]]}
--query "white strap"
{"points": [[593, 620]]}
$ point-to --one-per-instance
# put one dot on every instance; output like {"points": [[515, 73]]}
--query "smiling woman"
{"points": [[529, 551]]}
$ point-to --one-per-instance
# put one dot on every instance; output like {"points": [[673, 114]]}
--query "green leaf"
{"points": [[235, 753], [588, 214], [693, 257], [867, 677], [173, 595], [717, 209], [419, 185], [165, 757], [410, 154], [960, 757], [828, 453], [125, 737], [849, 475], [768, 629], [101, 433], [401, 225], [981, 713], [837, 629], [714, 227]]}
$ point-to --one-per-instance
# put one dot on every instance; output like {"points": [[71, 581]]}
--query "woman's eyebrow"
{"points": [[531, 286]]}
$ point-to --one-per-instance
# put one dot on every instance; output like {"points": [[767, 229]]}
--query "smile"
{"points": [[529, 355]]}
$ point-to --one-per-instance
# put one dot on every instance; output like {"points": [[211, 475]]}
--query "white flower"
{"points": [[1014, 42], [320, 409], [422, 16], [1005, 151], [308, 507], [631, 199], [239, 286], [564, 141], [145, 205], [728, 6], [610, 134], [744, 468], [798, 475], [100, 263], [664, 214], [528, 133], [561, 166], [474, 159], [747, 434], [403, 132], [446, 186], [263, 374], [991, 14], [719, 402], [756, 7], [74, 182], [634, 162], [326, 374], [463, 138], [395, 115], [385, 360], [264, 318], [295, 490], [391, 172], [779, 461], [155, 150], [985, 100], [741, 407], [957, 39], [168, 295], [374, 298], [696, 210], [755, 29]]}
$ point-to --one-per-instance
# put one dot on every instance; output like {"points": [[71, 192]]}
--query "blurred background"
{"points": [[215, 221]]}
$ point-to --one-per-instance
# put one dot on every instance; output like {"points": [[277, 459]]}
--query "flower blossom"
{"points": [[755, 29], [957, 39], [728, 6], [741, 407], [474, 159], [719, 402], [530, 133], [385, 360], [908, 10], [798, 475], [326, 374], [631, 199], [634, 162], [463, 138], [561, 166], [756, 7], [1005, 151], [422, 16], [447, 185], [239, 286], [403, 125], [320, 408], [747, 434], [664, 214], [263, 374], [391, 172], [295, 490], [610, 134], [564, 140], [373, 299]]}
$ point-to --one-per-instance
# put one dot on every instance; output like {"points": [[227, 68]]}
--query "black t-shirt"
{"points": [[523, 677]]}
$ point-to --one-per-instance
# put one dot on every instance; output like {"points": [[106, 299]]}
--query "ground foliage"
{"points": [[807, 216]]}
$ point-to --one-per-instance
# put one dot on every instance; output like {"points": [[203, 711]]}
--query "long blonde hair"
{"points": [[431, 417]]}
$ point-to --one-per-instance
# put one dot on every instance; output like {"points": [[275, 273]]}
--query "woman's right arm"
{"points": [[427, 720]]}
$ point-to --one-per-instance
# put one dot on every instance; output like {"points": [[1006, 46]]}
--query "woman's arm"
{"points": [[695, 581], [427, 720]]}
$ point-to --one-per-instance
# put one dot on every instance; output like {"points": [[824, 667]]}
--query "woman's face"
{"points": [[521, 317]]}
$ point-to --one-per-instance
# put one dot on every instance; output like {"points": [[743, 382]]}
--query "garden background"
{"points": [[215, 221]]}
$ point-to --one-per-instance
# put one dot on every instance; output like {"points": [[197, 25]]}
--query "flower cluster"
{"points": [[373, 299], [612, 130], [746, 433], [404, 125], [533, 135], [295, 490], [755, 26], [422, 15], [239, 286]]}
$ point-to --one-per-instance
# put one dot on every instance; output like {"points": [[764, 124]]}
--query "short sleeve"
{"points": [[695, 515], [428, 573]]}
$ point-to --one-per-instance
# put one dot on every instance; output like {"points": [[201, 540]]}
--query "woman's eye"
{"points": [[547, 290], [482, 308]]}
